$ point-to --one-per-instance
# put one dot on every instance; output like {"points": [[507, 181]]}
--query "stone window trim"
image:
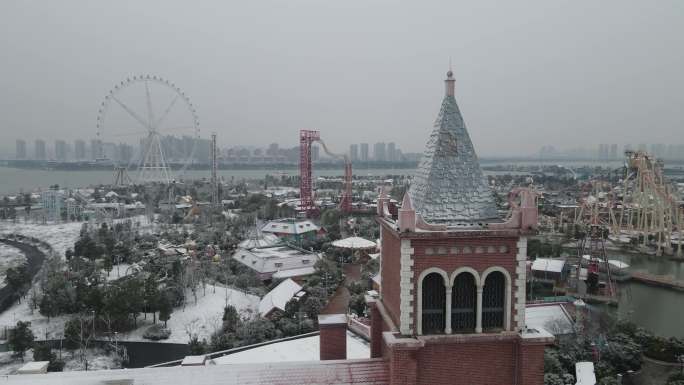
{"points": [[507, 297], [467, 250], [419, 296], [448, 283]]}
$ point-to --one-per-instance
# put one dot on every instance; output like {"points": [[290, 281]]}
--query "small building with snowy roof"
{"points": [[550, 270], [277, 298], [293, 230], [282, 261]]}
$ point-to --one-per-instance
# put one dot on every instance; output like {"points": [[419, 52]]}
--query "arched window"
{"points": [[493, 301], [434, 304], [463, 303]]}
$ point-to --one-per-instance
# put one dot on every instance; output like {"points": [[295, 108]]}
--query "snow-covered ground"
{"points": [[39, 324], [301, 349], [9, 257], [202, 318], [60, 236], [98, 359]]}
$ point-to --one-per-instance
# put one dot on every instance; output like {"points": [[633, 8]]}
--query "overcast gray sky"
{"points": [[528, 73]]}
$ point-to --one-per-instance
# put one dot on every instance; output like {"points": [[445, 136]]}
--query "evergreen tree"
{"points": [[20, 339], [165, 309], [231, 318]]}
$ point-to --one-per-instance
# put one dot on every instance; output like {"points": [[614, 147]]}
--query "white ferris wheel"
{"points": [[147, 124]]}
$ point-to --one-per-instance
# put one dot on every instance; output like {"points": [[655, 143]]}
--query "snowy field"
{"points": [[9, 257], [98, 359], [202, 318], [60, 236], [301, 349]]}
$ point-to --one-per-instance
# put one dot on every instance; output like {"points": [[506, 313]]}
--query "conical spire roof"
{"points": [[449, 186]]}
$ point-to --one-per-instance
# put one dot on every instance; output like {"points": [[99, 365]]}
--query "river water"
{"points": [[657, 309], [14, 180]]}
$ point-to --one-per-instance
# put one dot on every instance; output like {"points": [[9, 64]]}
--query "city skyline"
{"points": [[365, 85]]}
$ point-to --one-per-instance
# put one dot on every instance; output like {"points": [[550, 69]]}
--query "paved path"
{"points": [[34, 260], [339, 303]]}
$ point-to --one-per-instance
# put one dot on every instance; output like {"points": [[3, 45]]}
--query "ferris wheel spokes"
{"points": [[153, 156]]}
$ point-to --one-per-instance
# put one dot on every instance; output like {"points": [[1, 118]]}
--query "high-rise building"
{"points": [[110, 151], [315, 153], [613, 151], [96, 148], [380, 152], [354, 152], [272, 149], [124, 153], [60, 150], [79, 149], [603, 151], [658, 150], [21, 149], [364, 152], [39, 152], [391, 152]]}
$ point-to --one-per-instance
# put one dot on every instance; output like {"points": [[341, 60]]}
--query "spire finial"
{"points": [[450, 81]]}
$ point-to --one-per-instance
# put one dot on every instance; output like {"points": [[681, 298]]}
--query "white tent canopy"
{"points": [[356, 243]]}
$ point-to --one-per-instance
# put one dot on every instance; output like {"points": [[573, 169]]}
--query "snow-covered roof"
{"points": [[34, 367], [278, 297], [302, 271], [194, 360], [354, 243], [307, 348], [584, 372], [272, 259], [261, 240], [348, 372], [548, 264], [290, 226], [618, 264], [551, 317]]}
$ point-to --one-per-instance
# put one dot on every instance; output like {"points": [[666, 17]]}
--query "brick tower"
{"points": [[451, 308]]}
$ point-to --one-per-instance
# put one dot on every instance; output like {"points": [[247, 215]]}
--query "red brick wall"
{"points": [[480, 262], [490, 363], [403, 365], [391, 266], [376, 332], [333, 342], [532, 365]]}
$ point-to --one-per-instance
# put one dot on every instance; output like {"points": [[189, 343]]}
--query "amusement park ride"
{"points": [[307, 203], [121, 108], [642, 208]]}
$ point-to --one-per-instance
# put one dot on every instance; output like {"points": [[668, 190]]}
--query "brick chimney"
{"points": [[333, 337]]}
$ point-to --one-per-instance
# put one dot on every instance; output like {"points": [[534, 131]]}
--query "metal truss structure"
{"points": [[650, 209]]}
